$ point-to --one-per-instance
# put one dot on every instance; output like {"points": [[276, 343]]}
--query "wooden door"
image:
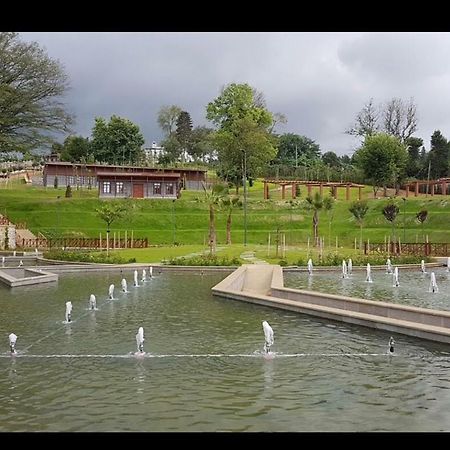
{"points": [[138, 190]]}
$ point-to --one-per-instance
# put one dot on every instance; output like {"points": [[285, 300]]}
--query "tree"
{"points": [[390, 212], [55, 182], [293, 148], [366, 123], [439, 155], [277, 118], [397, 118], [172, 150], [109, 213], [75, 149], [31, 84], [116, 141], [201, 146], [229, 203], [331, 159], [243, 140], [383, 159], [359, 209], [316, 204], [167, 118], [413, 166], [422, 216], [213, 198], [184, 132]]}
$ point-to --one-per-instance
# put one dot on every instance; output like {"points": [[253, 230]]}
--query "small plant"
{"points": [[68, 191]]}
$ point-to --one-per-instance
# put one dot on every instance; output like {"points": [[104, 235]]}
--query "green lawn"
{"points": [[186, 221]]}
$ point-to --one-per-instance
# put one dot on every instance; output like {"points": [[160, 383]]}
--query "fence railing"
{"points": [[415, 248], [81, 243]]}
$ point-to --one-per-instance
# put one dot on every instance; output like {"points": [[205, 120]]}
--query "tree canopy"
{"points": [[31, 84]]}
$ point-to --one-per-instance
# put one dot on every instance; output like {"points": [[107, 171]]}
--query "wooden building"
{"points": [[138, 185], [85, 175]]}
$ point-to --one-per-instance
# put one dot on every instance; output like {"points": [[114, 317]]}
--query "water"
{"points": [[204, 368], [413, 286]]}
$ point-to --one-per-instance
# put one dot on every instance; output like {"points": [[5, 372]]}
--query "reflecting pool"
{"points": [[204, 368]]}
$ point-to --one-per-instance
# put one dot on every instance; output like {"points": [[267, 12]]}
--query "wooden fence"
{"points": [[416, 249], [81, 243]]}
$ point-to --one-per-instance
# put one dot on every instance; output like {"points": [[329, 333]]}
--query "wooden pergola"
{"points": [[310, 184], [442, 182]]}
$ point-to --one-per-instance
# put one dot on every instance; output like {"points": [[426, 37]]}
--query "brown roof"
{"points": [[139, 174], [106, 166]]}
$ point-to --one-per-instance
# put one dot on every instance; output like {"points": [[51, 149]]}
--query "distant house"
{"points": [[154, 152], [138, 185], [86, 175]]}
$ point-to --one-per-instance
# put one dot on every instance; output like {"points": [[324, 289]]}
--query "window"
{"points": [[119, 187], [169, 188], [107, 187], [156, 188]]}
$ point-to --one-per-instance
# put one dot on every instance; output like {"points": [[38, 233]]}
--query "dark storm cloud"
{"points": [[318, 80]]}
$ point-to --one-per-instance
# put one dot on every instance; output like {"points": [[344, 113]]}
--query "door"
{"points": [[138, 190]]}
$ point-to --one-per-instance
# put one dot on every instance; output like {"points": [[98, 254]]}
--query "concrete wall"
{"points": [[11, 237]]}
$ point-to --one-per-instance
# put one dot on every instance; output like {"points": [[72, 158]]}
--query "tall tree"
{"points": [[293, 149], [366, 123], [31, 87], [390, 212], [316, 204], [229, 203], [243, 139], [439, 155], [383, 159], [167, 118], [118, 141], [413, 166], [201, 147], [183, 132], [422, 216], [75, 149]]}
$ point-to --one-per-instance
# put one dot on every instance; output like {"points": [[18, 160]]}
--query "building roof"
{"points": [[155, 175], [106, 166]]}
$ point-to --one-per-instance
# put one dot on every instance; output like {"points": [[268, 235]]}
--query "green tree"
{"points": [[118, 141], [55, 182], [75, 149], [413, 166], [383, 160], [315, 203], [68, 193], [328, 204], [439, 155], [184, 132], [359, 210], [167, 118], [110, 212], [294, 149], [201, 147], [390, 212], [213, 198], [31, 87]]}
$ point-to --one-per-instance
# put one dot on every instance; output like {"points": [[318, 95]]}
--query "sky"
{"points": [[318, 80]]}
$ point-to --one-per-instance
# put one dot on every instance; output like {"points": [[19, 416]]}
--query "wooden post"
{"points": [[444, 188], [309, 190], [407, 190], [119, 239], [308, 249], [336, 243], [355, 244], [347, 192], [283, 187], [125, 239], [416, 189], [100, 241], [114, 240], [321, 189], [131, 239], [294, 193], [268, 246], [360, 193]]}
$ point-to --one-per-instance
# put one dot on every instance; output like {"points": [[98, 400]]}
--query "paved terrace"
{"points": [[263, 285]]}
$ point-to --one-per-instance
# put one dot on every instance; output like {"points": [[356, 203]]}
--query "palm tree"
{"points": [[316, 204], [328, 203], [213, 197], [228, 204], [359, 209]]}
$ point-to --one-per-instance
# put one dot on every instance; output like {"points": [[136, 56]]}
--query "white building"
{"points": [[154, 152]]}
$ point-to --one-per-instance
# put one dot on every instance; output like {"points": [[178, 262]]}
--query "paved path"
{"points": [[250, 258]]}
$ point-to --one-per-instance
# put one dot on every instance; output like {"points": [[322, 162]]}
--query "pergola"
{"points": [[309, 184], [442, 182]]}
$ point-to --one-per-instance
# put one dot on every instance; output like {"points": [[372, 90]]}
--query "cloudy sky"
{"points": [[319, 80]]}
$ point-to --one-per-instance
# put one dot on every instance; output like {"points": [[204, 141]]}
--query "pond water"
{"points": [[204, 369]]}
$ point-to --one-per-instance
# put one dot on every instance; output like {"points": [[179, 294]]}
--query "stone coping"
{"points": [[23, 276]]}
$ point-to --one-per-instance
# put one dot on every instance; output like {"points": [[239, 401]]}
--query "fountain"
{"points": [[396, 283], [12, 342], [433, 284], [20, 263], [68, 312], [140, 340], [268, 336], [368, 276], [3, 261], [111, 292], [344, 269], [310, 266], [124, 285], [144, 276], [349, 266], [448, 264], [136, 284], [422, 266], [150, 271], [391, 345], [92, 302], [14, 253], [388, 266]]}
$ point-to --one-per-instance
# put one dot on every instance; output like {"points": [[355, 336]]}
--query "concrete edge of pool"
{"points": [[264, 285]]}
